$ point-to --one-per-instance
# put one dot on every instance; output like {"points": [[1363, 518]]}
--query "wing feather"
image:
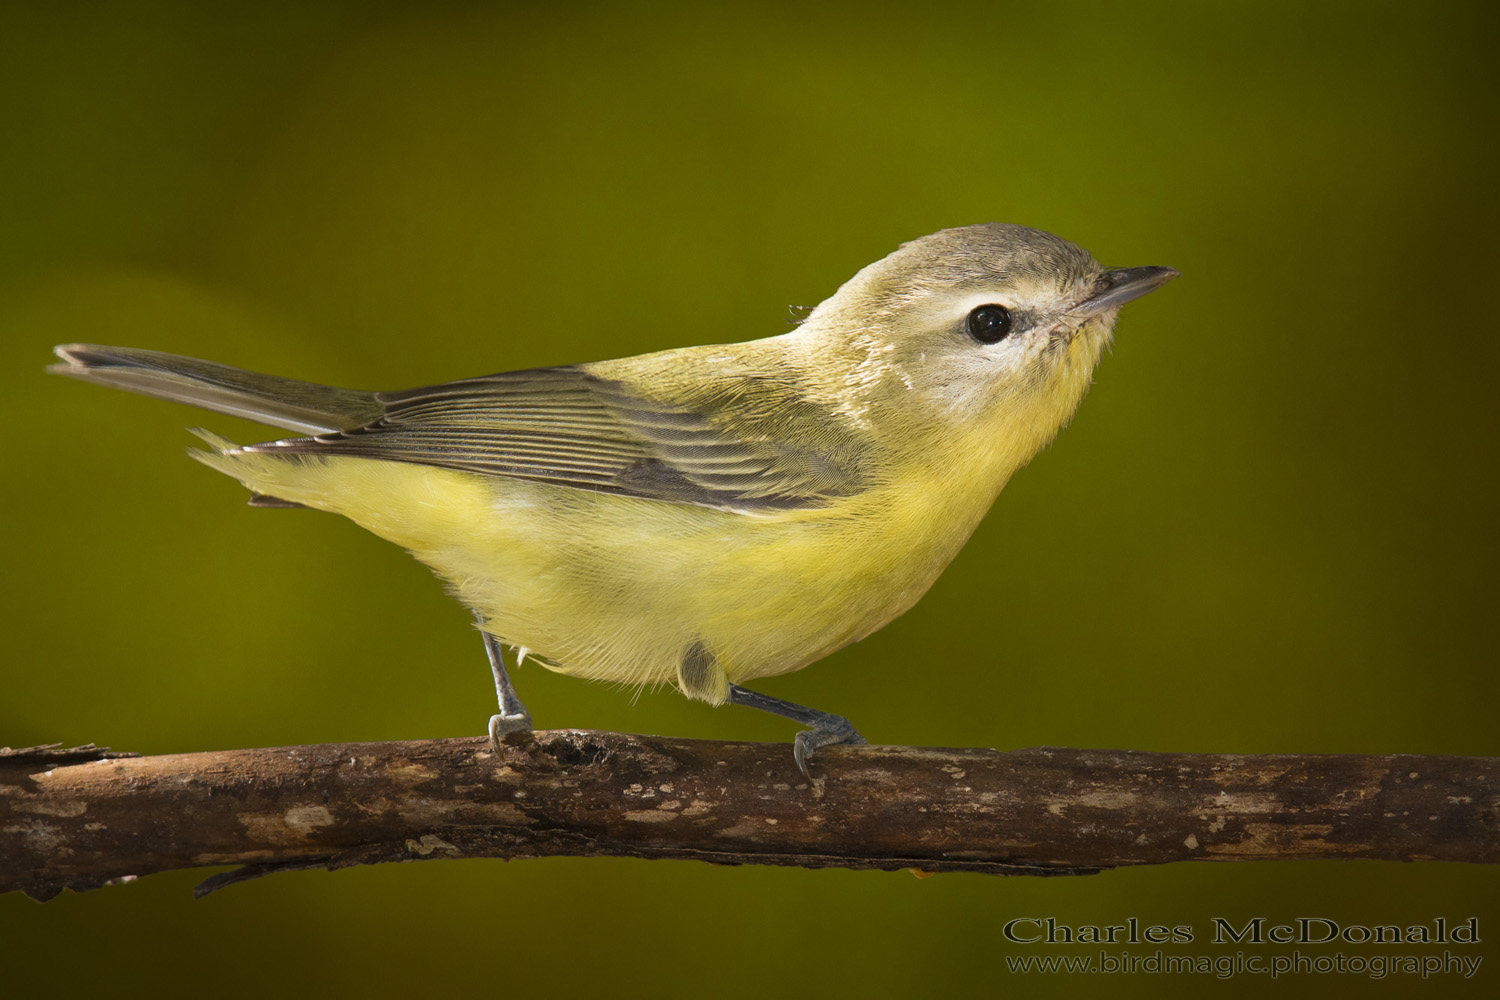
{"points": [[568, 427]]}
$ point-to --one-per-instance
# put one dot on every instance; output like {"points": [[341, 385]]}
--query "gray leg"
{"points": [[826, 729], [512, 717]]}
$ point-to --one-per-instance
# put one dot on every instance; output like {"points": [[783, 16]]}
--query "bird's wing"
{"points": [[568, 427]]}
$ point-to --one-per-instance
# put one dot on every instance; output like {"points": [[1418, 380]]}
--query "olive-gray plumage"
{"points": [[706, 515]]}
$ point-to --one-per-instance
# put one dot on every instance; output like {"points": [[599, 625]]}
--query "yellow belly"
{"points": [[617, 588]]}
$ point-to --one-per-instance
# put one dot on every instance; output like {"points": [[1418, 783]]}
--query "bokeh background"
{"points": [[1271, 527]]}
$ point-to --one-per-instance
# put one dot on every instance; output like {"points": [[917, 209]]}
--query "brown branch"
{"points": [[77, 819]]}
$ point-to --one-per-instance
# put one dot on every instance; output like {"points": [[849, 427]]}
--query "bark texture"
{"points": [[80, 818]]}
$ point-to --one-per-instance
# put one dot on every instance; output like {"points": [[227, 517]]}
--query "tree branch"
{"points": [[80, 818]]}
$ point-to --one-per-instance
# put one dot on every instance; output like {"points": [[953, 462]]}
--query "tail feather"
{"points": [[303, 407]]}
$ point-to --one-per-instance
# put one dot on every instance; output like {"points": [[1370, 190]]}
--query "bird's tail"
{"points": [[303, 407]]}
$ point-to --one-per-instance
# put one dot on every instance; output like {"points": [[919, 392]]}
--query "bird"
{"points": [[705, 516]]}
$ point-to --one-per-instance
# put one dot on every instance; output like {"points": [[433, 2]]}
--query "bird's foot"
{"points": [[502, 726], [830, 730]]}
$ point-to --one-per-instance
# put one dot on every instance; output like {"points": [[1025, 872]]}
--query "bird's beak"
{"points": [[1116, 287]]}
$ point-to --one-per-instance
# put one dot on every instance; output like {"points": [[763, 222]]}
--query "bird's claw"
{"points": [[502, 726], [839, 730]]}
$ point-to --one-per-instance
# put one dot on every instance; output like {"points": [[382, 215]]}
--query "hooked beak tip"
{"points": [[1116, 287]]}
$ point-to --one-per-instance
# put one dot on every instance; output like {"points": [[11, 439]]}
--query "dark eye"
{"points": [[989, 324]]}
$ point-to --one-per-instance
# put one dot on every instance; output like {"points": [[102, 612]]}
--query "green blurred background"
{"points": [[1271, 527]]}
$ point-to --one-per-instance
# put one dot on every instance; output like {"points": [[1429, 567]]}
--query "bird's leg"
{"points": [[512, 717], [826, 728]]}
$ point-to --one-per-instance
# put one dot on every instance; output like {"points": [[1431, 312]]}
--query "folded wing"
{"points": [[571, 428]]}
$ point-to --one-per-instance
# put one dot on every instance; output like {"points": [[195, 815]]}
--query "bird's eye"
{"points": [[989, 324]]}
